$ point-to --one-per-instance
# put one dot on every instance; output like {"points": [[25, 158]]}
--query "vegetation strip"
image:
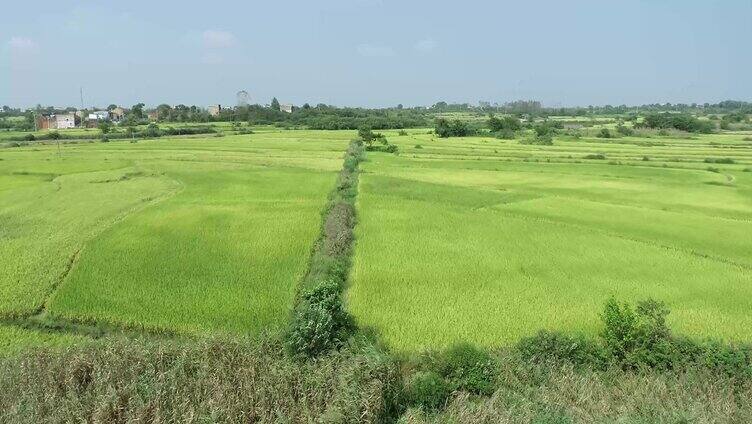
{"points": [[319, 321]]}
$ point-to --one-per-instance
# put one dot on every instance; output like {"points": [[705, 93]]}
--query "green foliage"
{"points": [[366, 134], [604, 133], [552, 346], [275, 104], [625, 131], [320, 323], [54, 135], [104, 126], [454, 128], [402, 133], [428, 390], [637, 338], [468, 368], [505, 134], [595, 156], [719, 160], [194, 380], [679, 121], [506, 124]]}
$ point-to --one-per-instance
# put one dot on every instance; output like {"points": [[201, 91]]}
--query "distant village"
{"points": [[116, 114]]}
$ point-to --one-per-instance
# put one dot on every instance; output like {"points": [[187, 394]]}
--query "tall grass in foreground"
{"points": [[217, 381]]}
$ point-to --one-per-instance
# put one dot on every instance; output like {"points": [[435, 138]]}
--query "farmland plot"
{"points": [[487, 241], [215, 239]]}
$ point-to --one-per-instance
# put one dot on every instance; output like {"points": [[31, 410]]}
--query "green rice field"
{"points": [[186, 234], [461, 239], [485, 240]]}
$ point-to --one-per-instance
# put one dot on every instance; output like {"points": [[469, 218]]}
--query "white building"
{"points": [[65, 120], [99, 115], [286, 108]]}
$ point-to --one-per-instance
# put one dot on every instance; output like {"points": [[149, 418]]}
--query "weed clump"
{"points": [[595, 156], [321, 322], [719, 160]]}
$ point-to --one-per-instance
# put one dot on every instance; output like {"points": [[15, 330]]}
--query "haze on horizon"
{"points": [[375, 53]]}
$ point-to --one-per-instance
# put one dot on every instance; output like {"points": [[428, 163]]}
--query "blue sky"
{"points": [[375, 53]]}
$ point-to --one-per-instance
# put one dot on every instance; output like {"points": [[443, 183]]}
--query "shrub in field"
{"points": [[552, 346], [604, 133], [719, 160], [418, 146], [541, 140], [54, 135], [637, 337], [402, 132], [29, 137], [598, 156], [320, 323], [505, 134], [625, 131], [645, 158], [467, 368], [713, 169], [454, 128], [428, 390]]}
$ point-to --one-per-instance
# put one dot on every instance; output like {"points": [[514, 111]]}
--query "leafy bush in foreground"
{"points": [[468, 368], [551, 346], [320, 323], [428, 390], [638, 338]]}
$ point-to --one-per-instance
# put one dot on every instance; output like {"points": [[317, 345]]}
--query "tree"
{"points": [[137, 111], [104, 126], [275, 103], [112, 107]]}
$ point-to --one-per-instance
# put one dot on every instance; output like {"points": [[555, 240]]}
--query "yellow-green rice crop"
{"points": [[488, 240], [185, 234]]}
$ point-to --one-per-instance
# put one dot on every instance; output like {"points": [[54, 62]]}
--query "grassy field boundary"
{"points": [[319, 321]]}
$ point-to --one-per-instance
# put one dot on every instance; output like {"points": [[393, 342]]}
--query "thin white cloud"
{"points": [[217, 39], [425, 45], [375, 50], [19, 44]]}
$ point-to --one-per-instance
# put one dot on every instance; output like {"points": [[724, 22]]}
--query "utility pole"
{"points": [[82, 105]]}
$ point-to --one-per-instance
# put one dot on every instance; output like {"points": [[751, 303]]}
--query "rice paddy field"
{"points": [[462, 239], [485, 240], [190, 235]]}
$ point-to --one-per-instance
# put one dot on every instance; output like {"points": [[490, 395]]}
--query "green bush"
{"points": [[454, 128], [321, 322], [604, 133], [505, 134], [428, 390], [599, 156], [625, 131], [402, 132], [468, 368], [639, 337], [719, 160], [552, 346], [29, 137]]}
